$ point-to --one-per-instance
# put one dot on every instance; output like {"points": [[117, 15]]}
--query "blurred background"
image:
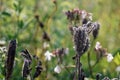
{"points": [[19, 20]]}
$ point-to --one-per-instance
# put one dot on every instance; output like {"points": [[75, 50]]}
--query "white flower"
{"points": [[90, 16], [2, 42], [3, 49], [98, 45], [86, 78], [57, 69], [66, 50], [48, 55], [84, 14], [74, 47], [46, 45], [109, 57], [118, 69]]}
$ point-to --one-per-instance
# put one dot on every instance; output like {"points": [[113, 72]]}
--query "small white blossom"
{"points": [[48, 55], [118, 69], [57, 69], [109, 57], [66, 50], [74, 47], [90, 16], [3, 49], [86, 78], [84, 14], [2, 42], [98, 45], [46, 45]]}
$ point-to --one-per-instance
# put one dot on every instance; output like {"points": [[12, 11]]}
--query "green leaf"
{"points": [[15, 5], [117, 59], [20, 24], [6, 13]]}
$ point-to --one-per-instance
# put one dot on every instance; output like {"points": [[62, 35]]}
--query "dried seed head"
{"points": [[37, 17], [45, 36], [54, 1], [35, 57], [41, 25], [96, 30], [81, 40], [61, 51], [26, 54], [38, 70], [70, 15], [84, 21], [98, 75], [10, 59], [78, 15], [26, 68]]}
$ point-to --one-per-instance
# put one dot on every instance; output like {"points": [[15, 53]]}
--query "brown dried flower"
{"points": [[10, 59], [81, 40], [26, 68], [38, 69]]}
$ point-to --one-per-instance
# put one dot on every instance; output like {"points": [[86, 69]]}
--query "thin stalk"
{"points": [[67, 70], [89, 59], [77, 75], [95, 63], [79, 67], [50, 17], [90, 68], [31, 78]]}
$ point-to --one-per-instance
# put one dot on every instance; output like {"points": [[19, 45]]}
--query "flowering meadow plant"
{"points": [[59, 40]]}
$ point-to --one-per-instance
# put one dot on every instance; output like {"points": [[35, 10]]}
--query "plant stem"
{"points": [[89, 59], [78, 75], [50, 17], [95, 63], [79, 68], [90, 68]]}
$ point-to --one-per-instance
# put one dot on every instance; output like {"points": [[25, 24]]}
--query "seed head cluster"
{"points": [[81, 26], [81, 40]]}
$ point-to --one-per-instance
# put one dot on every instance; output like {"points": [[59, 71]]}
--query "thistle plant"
{"points": [[81, 25]]}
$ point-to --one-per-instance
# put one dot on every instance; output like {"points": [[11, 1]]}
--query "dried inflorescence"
{"points": [[81, 26], [38, 69], [61, 51], [41, 24], [81, 40], [81, 32], [10, 59], [101, 52], [78, 15], [27, 64], [26, 54], [26, 68], [96, 30], [45, 36]]}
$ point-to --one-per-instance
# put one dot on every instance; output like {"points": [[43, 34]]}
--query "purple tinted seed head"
{"points": [[81, 40]]}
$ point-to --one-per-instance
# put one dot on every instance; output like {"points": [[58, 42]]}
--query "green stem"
{"points": [[52, 14], [89, 59]]}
